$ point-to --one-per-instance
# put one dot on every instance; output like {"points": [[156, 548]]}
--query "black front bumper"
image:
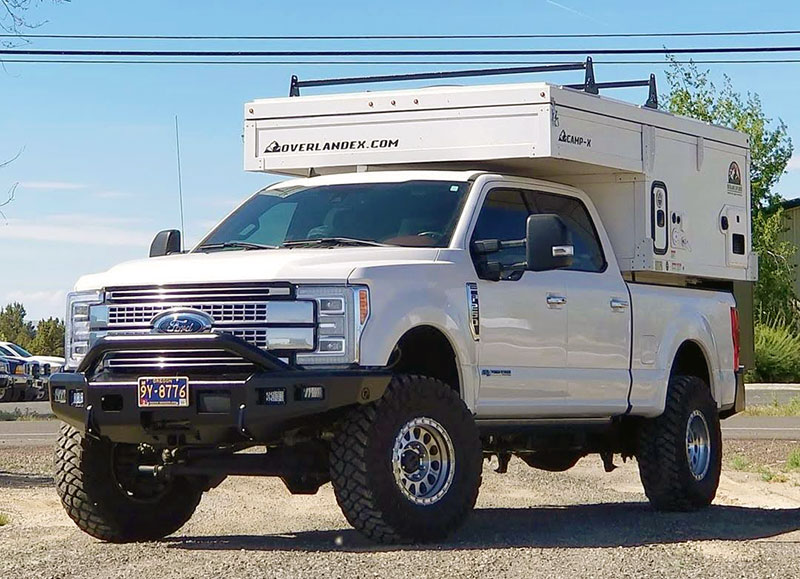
{"points": [[219, 412]]}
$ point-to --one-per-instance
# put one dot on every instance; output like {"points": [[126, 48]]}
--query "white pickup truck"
{"points": [[524, 270]]}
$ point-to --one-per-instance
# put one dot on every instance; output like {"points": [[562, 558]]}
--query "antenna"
{"points": [[180, 180]]}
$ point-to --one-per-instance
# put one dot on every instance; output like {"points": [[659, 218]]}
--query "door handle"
{"points": [[554, 301], [618, 304]]}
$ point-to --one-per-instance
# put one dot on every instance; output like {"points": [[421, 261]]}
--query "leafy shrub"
{"points": [[777, 352]]}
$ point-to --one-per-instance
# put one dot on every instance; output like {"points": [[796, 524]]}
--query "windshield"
{"points": [[411, 213], [21, 351]]}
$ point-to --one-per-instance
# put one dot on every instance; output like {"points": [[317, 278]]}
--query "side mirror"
{"points": [[549, 243], [166, 242]]}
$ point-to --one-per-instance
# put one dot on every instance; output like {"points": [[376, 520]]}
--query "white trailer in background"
{"points": [[527, 270]]}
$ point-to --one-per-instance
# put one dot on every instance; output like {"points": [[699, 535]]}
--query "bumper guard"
{"points": [[218, 412]]}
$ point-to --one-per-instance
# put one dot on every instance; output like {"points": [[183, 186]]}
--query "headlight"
{"points": [[78, 325], [342, 313]]}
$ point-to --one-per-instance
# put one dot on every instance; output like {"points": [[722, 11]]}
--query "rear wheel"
{"points": [[680, 452], [105, 495], [408, 467]]}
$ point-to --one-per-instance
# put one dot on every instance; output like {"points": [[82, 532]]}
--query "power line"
{"points": [[431, 53], [382, 62], [404, 36]]}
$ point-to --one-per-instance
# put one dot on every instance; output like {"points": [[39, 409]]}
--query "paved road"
{"points": [[761, 427], [38, 432], [41, 408], [28, 432], [757, 394]]}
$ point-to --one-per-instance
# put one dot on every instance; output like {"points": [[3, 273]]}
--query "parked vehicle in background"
{"points": [[39, 387], [38, 368], [21, 386], [49, 363], [6, 381], [522, 270]]}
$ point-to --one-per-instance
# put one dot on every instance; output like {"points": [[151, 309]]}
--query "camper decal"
{"points": [[734, 179], [276, 147], [581, 141]]}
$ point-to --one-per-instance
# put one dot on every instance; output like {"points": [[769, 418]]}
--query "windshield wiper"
{"points": [[235, 244], [331, 241]]}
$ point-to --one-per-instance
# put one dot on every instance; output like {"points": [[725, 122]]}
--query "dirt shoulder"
{"points": [[528, 524]]}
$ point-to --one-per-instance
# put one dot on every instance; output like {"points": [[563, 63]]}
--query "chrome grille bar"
{"points": [[199, 292], [162, 359], [223, 313], [271, 338]]}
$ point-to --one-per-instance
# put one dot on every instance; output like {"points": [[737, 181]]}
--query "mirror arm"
{"points": [[487, 246], [495, 271]]}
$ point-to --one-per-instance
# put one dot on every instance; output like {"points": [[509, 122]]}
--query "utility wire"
{"points": [[430, 53], [382, 62], [404, 36]]}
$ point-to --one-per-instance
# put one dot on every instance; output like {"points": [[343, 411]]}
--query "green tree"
{"points": [[693, 94], [13, 327], [49, 339]]}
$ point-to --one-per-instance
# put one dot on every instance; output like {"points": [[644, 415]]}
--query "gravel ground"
{"points": [[582, 523]]}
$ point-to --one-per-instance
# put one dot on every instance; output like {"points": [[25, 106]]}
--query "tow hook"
{"points": [[155, 470], [168, 457]]}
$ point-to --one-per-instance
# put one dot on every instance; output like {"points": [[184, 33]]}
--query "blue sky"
{"points": [[97, 174]]}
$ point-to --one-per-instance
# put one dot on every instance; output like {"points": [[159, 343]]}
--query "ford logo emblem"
{"points": [[182, 322]]}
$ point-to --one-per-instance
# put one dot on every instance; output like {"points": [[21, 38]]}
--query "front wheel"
{"points": [[680, 452], [105, 495], [408, 467]]}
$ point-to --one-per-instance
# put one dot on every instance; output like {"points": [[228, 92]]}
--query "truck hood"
{"points": [[298, 265]]}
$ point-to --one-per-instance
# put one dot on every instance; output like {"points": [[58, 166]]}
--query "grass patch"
{"points": [[793, 462], [739, 462], [770, 476], [767, 473], [4, 519], [26, 416], [791, 408]]}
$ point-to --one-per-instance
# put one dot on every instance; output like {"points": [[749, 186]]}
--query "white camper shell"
{"points": [[673, 192]]}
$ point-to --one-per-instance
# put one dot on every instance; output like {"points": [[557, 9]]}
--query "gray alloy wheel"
{"points": [[423, 461]]}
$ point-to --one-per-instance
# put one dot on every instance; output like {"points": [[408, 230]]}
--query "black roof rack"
{"points": [[589, 84]]}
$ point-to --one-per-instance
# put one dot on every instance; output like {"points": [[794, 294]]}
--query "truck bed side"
{"points": [[664, 319]]}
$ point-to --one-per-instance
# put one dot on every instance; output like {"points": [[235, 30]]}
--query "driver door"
{"points": [[522, 350]]}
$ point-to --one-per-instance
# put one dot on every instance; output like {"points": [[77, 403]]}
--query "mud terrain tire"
{"points": [[408, 466], [94, 499], [679, 471]]}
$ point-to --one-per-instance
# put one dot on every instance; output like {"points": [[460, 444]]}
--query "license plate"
{"points": [[160, 391]]}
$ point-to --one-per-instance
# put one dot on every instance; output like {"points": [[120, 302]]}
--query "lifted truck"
{"points": [[526, 270]]}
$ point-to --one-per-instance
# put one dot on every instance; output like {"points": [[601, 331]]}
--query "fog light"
{"points": [[331, 305], [311, 393], [76, 398], [273, 396], [331, 345], [60, 395]]}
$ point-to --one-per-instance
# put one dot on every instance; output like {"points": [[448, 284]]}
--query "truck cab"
{"points": [[417, 301]]}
